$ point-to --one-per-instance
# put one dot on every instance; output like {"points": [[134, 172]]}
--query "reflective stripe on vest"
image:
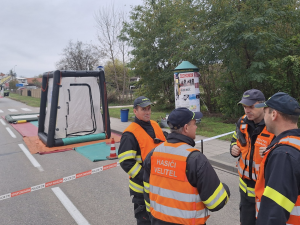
{"points": [[175, 195], [172, 198], [184, 214], [296, 211], [274, 195], [146, 144], [262, 140], [242, 172], [291, 141]]}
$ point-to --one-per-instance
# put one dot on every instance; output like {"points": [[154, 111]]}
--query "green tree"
{"points": [[116, 74], [236, 46], [156, 31], [12, 84], [252, 42]]}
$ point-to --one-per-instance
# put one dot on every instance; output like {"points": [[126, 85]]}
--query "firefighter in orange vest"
{"points": [[138, 139], [278, 186], [180, 185], [249, 140]]}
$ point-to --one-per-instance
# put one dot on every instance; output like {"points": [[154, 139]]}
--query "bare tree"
{"points": [[109, 26], [124, 49], [79, 56]]}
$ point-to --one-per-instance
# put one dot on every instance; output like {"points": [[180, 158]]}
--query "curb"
{"points": [[223, 165]]}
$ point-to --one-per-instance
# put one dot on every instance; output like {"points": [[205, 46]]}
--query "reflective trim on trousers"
{"points": [[248, 190], [147, 206], [246, 173], [136, 187], [243, 186], [251, 192], [146, 187], [186, 214], [175, 195]]}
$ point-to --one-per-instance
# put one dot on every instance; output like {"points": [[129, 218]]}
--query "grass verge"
{"points": [[34, 102], [208, 127]]}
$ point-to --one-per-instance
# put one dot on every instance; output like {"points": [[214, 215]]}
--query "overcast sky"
{"points": [[33, 33]]}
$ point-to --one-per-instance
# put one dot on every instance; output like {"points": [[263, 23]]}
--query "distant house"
{"points": [[132, 81], [32, 80]]}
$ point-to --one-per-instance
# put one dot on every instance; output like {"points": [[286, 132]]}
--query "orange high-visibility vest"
{"points": [[172, 198], [146, 143], [262, 140], [260, 184]]}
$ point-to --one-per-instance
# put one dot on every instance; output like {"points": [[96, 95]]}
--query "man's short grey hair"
{"points": [[286, 117], [178, 131]]}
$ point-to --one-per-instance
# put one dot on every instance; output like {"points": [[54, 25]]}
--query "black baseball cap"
{"points": [[181, 116], [251, 96], [142, 101], [282, 102]]}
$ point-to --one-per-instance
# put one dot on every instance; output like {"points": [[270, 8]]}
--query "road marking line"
{"points": [[26, 109], [10, 132], [1, 111], [31, 158], [13, 110], [70, 207], [2, 121]]}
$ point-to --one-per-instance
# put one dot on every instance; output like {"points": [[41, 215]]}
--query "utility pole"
{"points": [[15, 70]]}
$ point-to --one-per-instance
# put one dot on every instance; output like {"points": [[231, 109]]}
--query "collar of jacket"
{"points": [[293, 132], [251, 122], [175, 138], [141, 122]]}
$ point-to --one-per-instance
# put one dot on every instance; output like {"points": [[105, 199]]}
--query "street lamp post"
{"points": [[15, 69]]}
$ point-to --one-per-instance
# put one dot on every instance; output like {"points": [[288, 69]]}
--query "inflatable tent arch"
{"points": [[70, 108]]}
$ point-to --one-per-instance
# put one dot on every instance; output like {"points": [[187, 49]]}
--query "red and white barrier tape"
{"points": [[212, 138], [59, 181]]}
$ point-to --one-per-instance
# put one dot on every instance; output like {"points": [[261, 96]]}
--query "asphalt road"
{"points": [[101, 198]]}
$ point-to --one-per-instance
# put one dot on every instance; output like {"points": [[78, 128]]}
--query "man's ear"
{"points": [[184, 129], [274, 115], [134, 111]]}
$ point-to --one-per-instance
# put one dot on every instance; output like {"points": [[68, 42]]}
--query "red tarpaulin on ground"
{"points": [[35, 145], [26, 129]]}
